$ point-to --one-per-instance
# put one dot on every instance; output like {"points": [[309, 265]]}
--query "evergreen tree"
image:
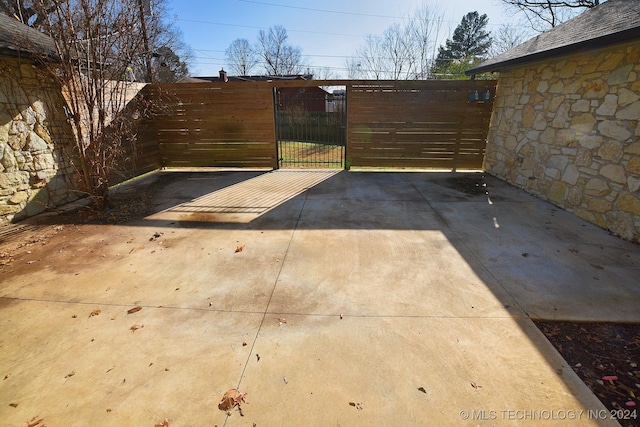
{"points": [[469, 44]]}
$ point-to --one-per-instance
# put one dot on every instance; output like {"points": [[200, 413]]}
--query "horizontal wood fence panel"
{"points": [[425, 124], [216, 125]]}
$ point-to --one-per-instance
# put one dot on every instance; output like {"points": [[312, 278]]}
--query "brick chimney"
{"points": [[223, 76]]}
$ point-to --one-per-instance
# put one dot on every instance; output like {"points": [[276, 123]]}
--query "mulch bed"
{"points": [[606, 356]]}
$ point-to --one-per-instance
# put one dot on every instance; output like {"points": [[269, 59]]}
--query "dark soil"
{"points": [[598, 352]]}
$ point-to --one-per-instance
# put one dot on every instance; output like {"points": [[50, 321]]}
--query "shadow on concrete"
{"points": [[538, 261]]}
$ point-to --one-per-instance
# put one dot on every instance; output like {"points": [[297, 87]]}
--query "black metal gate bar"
{"points": [[310, 127]]}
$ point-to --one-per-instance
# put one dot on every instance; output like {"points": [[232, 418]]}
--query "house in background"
{"points": [[310, 99], [566, 119]]}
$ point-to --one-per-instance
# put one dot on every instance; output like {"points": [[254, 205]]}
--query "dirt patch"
{"points": [[606, 356], [28, 240]]}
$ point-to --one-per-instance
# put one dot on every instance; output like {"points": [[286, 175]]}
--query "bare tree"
{"points": [[402, 52], [323, 73], [96, 43], [353, 66], [424, 28], [398, 47], [506, 37], [545, 14], [278, 57], [241, 58]]}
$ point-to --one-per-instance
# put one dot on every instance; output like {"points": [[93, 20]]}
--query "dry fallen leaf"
{"points": [[244, 343], [134, 310], [422, 389], [231, 399], [70, 374], [7, 376], [135, 327], [165, 423], [156, 236], [258, 357], [474, 385], [95, 313], [281, 321], [13, 405], [239, 248], [109, 410], [356, 405], [35, 422]]}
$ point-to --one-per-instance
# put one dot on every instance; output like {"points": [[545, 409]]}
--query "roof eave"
{"points": [[610, 39]]}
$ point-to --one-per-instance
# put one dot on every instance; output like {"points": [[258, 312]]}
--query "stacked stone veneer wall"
{"points": [[33, 135], [567, 130]]}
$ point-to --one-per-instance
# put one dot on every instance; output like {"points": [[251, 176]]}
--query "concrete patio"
{"points": [[408, 295]]}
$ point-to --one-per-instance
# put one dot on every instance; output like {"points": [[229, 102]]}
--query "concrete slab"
{"points": [[312, 367], [554, 264], [354, 287]]}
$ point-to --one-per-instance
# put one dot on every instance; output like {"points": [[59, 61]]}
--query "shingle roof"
{"points": [[611, 22], [17, 37]]}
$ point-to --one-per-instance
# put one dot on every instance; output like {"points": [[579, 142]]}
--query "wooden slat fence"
{"points": [[390, 124], [228, 125], [426, 124]]}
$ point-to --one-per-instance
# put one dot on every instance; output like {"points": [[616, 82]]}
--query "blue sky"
{"points": [[326, 31]]}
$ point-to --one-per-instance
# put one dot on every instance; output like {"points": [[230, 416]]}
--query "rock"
{"points": [[615, 173], [571, 175], [9, 209], [621, 223], [35, 143], [18, 127], [8, 161], [611, 151], [597, 187], [630, 112], [574, 195], [609, 106], [611, 62], [599, 205], [583, 157], [17, 141], [569, 70], [620, 76], [581, 106], [634, 184], [19, 198], [595, 89], [614, 130], [583, 123], [13, 179], [562, 116], [557, 192], [633, 167], [633, 148], [626, 97], [43, 161]]}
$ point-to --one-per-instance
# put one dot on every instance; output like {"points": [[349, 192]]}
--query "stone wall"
{"points": [[567, 130], [34, 134]]}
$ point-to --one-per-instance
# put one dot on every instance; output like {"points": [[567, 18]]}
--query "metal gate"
{"points": [[311, 127]]}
